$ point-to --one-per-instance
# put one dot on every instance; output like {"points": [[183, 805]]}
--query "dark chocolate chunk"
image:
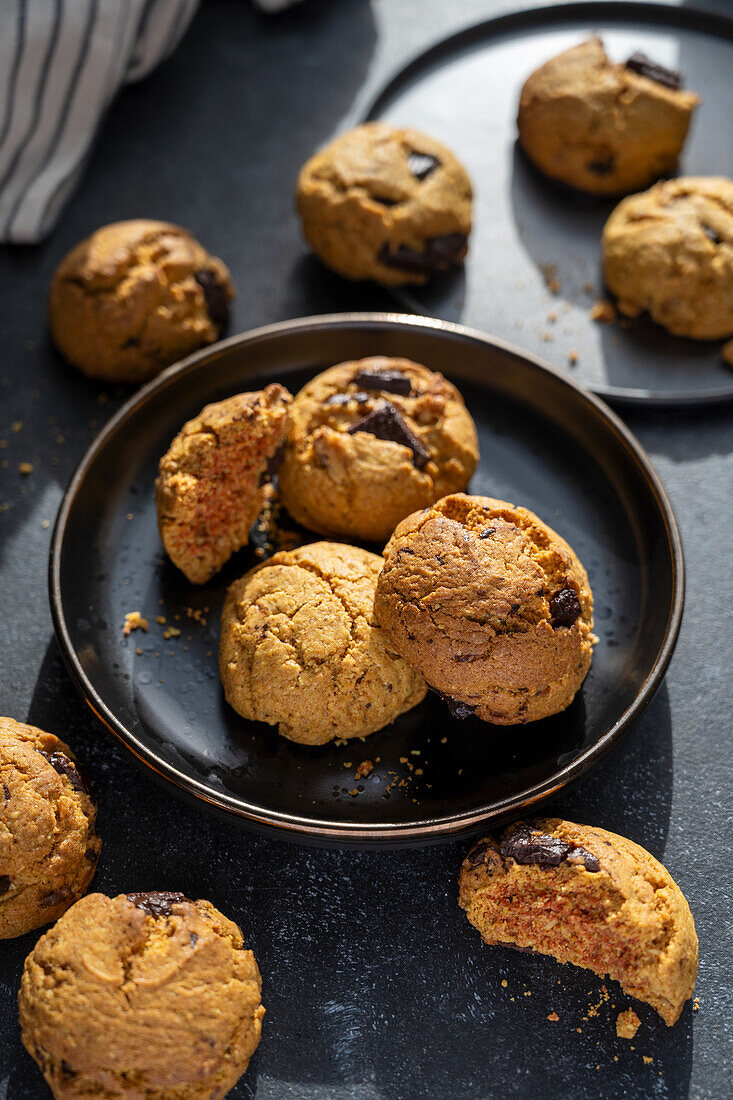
{"points": [[644, 66], [55, 897], [422, 164], [711, 233], [476, 855], [90, 855], [193, 939], [602, 166], [487, 533], [217, 303], [66, 1070], [61, 764], [385, 422], [565, 607], [440, 254], [6, 792], [345, 398], [456, 707], [4, 884], [526, 846], [391, 381], [157, 903]]}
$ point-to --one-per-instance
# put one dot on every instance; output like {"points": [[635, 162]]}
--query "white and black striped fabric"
{"points": [[61, 64]]}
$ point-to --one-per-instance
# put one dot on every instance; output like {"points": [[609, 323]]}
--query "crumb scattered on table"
{"points": [[171, 632], [134, 621], [603, 311], [365, 768], [627, 1024], [554, 1017], [25, 467]]}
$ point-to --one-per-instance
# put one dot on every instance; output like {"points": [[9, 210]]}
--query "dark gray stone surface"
{"points": [[375, 985]]}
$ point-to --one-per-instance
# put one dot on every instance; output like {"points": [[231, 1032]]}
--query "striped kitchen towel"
{"points": [[61, 64]]}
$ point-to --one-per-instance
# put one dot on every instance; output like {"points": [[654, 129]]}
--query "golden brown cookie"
{"points": [[210, 484], [491, 605], [669, 250], [371, 441], [135, 297], [299, 647], [141, 996], [386, 204], [589, 897], [48, 844], [601, 127]]}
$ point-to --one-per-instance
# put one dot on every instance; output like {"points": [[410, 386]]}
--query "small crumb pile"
{"points": [[134, 621]]}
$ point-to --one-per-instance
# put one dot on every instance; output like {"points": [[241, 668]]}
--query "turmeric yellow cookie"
{"points": [[142, 995], [588, 897], [300, 649], [135, 297], [48, 843]]}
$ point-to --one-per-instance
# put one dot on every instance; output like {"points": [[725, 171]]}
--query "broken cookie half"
{"points": [[210, 485], [588, 897]]}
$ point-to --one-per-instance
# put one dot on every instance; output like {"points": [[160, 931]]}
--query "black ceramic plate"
{"points": [[545, 443], [528, 233]]}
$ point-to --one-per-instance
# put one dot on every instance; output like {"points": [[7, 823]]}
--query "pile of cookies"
{"points": [[475, 598]]}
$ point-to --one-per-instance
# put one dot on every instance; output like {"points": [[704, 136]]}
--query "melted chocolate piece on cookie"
{"points": [[644, 66], [456, 707], [565, 607], [440, 254], [217, 303], [61, 764], [422, 164], [526, 847], [55, 897], [385, 422], [476, 855], [603, 166], [157, 903], [391, 381], [4, 884], [487, 533]]}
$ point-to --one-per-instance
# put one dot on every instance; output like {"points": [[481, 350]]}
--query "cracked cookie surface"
{"points": [[48, 844], [210, 485], [386, 204], [141, 996], [300, 649], [588, 897], [339, 478], [602, 127], [135, 297], [669, 251], [491, 605]]}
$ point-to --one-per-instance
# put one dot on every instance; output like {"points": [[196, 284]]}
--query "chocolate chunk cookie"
{"points": [[48, 844], [210, 485], [491, 605], [135, 297], [141, 995], [386, 204], [669, 250], [371, 441], [588, 897], [602, 127], [300, 649]]}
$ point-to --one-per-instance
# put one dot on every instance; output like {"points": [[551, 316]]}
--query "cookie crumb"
{"points": [[504, 983], [365, 768], [134, 621], [171, 632], [627, 1024], [696, 1004], [16, 426], [554, 1017], [646, 1059], [573, 357], [45, 524], [549, 274], [603, 311], [25, 467], [160, 619]]}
